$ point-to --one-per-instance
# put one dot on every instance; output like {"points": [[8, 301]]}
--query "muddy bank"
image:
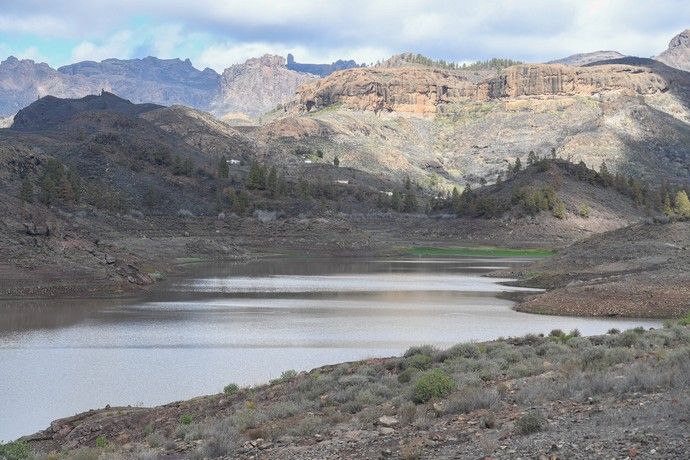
{"points": [[636, 271]]}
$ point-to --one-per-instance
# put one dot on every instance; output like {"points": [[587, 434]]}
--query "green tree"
{"points": [[682, 204], [666, 206], [532, 158], [396, 200], [223, 169], [48, 190], [518, 165], [559, 209], [606, 176], [26, 193], [455, 200], [336, 161], [257, 176], [410, 204], [272, 181]]}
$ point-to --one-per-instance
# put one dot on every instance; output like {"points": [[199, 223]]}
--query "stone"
{"points": [[388, 421], [386, 430]]}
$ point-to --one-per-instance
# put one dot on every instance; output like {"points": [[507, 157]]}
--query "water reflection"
{"points": [[245, 323]]}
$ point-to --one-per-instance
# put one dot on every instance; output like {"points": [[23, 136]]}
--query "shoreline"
{"points": [[506, 397]]}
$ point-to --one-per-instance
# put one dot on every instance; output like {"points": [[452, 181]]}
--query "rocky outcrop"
{"points": [[24, 81], [422, 90], [581, 59], [258, 85], [161, 81], [251, 88], [678, 52], [322, 70]]}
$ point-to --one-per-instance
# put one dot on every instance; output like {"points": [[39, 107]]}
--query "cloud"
{"points": [[217, 34]]}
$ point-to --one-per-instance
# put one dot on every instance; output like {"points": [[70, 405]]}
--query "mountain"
{"points": [[581, 59], [50, 112], [160, 81], [321, 70], [258, 85], [252, 88], [23, 81], [678, 52], [444, 126]]}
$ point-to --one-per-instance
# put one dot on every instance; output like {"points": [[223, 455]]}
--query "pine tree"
{"points": [[518, 165], [605, 174], [26, 193], [223, 169], [682, 204], [532, 158], [336, 161], [257, 177], [48, 190], [396, 201], [455, 200], [666, 206], [272, 181], [410, 204]]}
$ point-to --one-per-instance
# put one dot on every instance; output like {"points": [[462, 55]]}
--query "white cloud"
{"points": [[224, 32], [121, 44]]}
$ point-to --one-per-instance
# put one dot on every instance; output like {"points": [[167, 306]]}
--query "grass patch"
{"points": [[425, 251], [188, 260]]}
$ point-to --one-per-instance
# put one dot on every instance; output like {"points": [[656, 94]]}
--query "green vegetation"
{"points": [[101, 442], [286, 376], [26, 193], [16, 450], [433, 384], [231, 389], [423, 251], [186, 419], [583, 210], [223, 168], [684, 320], [490, 64], [682, 204]]}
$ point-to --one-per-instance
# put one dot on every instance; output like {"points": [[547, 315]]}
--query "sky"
{"points": [[217, 34]]}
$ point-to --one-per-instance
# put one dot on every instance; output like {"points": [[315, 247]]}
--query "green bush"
{"points": [[531, 422], [231, 389], [186, 419], [286, 376], [421, 362], [101, 441], [432, 384], [16, 450]]}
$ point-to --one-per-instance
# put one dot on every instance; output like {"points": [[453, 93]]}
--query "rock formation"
{"points": [[322, 70], [258, 85], [161, 81], [581, 59], [678, 52], [423, 90]]}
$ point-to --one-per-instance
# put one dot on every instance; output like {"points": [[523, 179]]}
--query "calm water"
{"points": [[245, 324]]}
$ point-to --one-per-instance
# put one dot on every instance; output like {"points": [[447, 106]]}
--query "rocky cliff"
{"points": [[161, 81], [425, 90], [321, 70], [252, 88], [24, 81], [581, 59], [678, 52], [258, 85]]}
